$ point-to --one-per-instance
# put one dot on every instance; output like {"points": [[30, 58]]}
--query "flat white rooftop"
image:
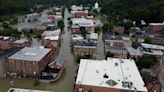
{"points": [[51, 33], [152, 46], [83, 22], [25, 90], [119, 71], [30, 54]]}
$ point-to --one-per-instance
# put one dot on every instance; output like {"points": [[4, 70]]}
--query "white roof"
{"points": [[85, 11], [74, 7], [25, 90], [156, 24], [83, 22], [30, 54], [153, 52], [51, 33], [152, 46], [21, 40], [93, 36], [118, 70], [52, 37], [76, 37], [133, 51]]}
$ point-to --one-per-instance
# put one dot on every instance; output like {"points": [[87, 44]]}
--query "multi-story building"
{"points": [[156, 27], [10, 42], [85, 47], [118, 52], [111, 75], [51, 39], [116, 45], [151, 49], [4, 54], [113, 40], [79, 14], [78, 23], [28, 62]]}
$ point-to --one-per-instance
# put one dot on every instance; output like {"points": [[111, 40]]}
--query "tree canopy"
{"points": [[148, 10], [146, 61]]}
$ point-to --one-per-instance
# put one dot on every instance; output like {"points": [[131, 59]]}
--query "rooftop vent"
{"points": [[127, 84], [105, 75], [116, 64], [111, 82]]}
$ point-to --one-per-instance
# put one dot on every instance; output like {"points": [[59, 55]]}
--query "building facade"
{"points": [[28, 62]]}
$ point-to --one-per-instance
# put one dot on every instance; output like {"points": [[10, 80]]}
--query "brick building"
{"points": [[114, 41], [79, 14], [118, 52], [85, 47], [78, 23], [112, 75], [51, 39], [156, 27], [10, 42], [28, 62], [118, 29], [4, 54]]}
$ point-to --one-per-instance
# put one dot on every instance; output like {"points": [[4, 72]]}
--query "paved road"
{"points": [[100, 48]]}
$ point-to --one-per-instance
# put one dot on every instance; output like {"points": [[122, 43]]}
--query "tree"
{"points": [[146, 61], [108, 26], [109, 54], [97, 29], [83, 32], [148, 40], [61, 24]]}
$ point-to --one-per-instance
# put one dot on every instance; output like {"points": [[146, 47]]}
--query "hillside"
{"points": [[148, 10]]}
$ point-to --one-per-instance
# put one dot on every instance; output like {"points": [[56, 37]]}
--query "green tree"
{"points": [[108, 26], [148, 40], [146, 61], [61, 24], [97, 29], [83, 32]]}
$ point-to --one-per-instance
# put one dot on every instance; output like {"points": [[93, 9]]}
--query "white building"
{"points": [[83, 22], [111, 75], [76, 8], [96, 5]]}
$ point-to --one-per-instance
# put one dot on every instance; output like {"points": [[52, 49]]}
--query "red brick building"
{"points": [[79, 14], [28, 62], [8, 43], [118, 29], [118, 52], [51, 39], [84, 47], [156, 27]]}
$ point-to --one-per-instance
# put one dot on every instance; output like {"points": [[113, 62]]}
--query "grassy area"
{"points": [[23, 83]]}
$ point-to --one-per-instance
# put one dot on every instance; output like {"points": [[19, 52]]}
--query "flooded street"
{"points": [[100, 55], [64, 84]]}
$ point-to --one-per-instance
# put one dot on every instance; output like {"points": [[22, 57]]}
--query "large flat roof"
{"points": [[117, 70], [30, 54], [25, 90], [152, 46]]}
